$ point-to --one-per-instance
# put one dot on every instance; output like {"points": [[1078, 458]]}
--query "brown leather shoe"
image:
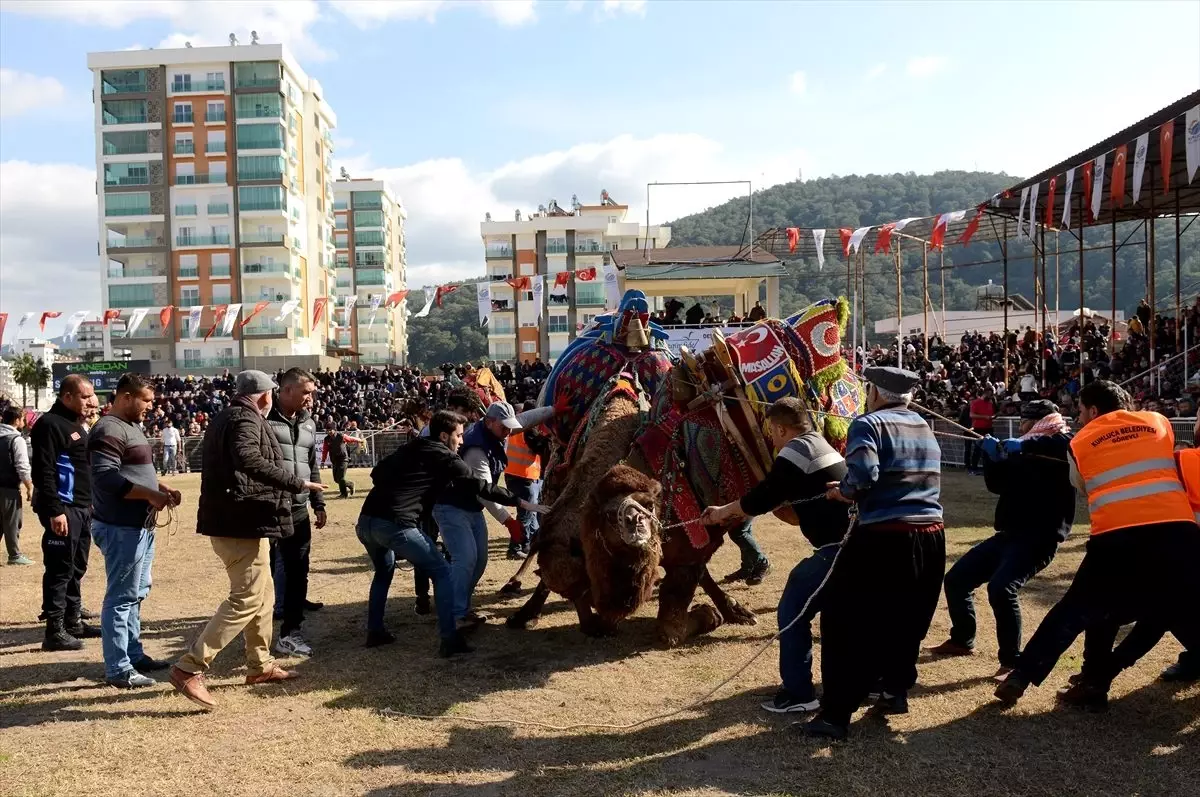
{"points": [[950, 648], [191, 686], [274, 673]]}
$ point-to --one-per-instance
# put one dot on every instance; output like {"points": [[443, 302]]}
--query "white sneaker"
{"points": [[293, 644]]}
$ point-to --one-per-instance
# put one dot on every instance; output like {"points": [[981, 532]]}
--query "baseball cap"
{"points": [[502, 411], [252, 382]]}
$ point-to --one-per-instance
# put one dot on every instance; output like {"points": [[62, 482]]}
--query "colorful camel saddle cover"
{"points": [[706, 433]]}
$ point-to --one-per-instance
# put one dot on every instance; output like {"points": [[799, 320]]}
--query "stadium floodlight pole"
{"points": [[749, 219]]}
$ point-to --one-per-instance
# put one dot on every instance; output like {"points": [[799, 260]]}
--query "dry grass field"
{"points": [[63, 732]]}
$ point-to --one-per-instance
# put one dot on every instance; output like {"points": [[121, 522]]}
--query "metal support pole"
{"points": [[1082, 378], [1039, 310], [854, 316], [899, 317], [1112, 326], [1151, 267], [1057, 283], [1178, 299], [1004, 257], [924, 295]]}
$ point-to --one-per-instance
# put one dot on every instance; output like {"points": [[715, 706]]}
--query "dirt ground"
{"points": [[63, 732]]}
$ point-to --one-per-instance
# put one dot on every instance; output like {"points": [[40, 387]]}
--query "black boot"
{"points": [[77, 628], [423, 606], [454, 645], [57, 638]]}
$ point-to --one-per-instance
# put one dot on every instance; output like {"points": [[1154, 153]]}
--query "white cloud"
{"points": [[202, 22], [926, 65], [21, 92], [446, 200], [632, 7], [368, 13], [876, 71], [48, 239], [799, 83]]}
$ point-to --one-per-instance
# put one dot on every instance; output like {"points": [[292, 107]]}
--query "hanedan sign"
{"points": [[103, 374]]}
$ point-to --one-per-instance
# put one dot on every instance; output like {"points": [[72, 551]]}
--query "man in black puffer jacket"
{"points": [[1033, 515], [245, 500]]}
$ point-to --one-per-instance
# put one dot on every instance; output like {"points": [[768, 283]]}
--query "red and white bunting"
{"points": [[856, 238], [1116, 181], [1139, 164], [1021, 212], [1066, 216], [1097, 185], [1166, 148], [1191, 141], [819, 242], [1033, 197]]}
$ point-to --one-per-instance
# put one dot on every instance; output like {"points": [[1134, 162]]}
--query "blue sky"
{"points": [[476, 106]]}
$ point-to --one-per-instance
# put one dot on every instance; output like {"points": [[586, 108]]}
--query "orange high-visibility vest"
{"points": [[1188, 461], [1127, 463], [522, 462]]}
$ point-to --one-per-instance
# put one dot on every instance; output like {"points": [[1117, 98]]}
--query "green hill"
{"points": [[854, 201]]}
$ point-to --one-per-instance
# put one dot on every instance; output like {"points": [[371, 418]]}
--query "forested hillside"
{"points": [[854, 201]]}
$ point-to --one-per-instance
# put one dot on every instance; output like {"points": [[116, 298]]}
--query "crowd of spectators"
{"points": [[1055, 367]]}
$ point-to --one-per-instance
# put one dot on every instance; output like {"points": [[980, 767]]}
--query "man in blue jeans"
{"points": [[405, 484], [803, 467], [125, 492]]}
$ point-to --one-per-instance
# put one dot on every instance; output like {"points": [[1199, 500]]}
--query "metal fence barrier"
{"points": [[378, 445]]}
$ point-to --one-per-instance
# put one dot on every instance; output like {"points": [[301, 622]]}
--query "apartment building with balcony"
{"points": [[371, 265], [547, 243], [214, 170]]}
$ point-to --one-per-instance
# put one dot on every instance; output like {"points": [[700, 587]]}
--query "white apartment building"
{"points": [[547, 243], [214, 168], [368, 235]]}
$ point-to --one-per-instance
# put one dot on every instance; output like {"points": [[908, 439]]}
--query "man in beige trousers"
{"points": [[245, 501]]}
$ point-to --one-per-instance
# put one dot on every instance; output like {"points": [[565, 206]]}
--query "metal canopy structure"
{"points": [[708, 270]]}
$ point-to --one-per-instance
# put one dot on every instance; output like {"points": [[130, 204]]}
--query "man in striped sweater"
{"points": [[885, 584]]}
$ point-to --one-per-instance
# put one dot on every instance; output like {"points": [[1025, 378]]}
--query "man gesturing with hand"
{"points": [[126, 493]]}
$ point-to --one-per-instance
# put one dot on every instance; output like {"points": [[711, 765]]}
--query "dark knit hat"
{"points": [[1036, 410]]}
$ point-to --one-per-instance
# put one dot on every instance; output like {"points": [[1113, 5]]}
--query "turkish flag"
{"points": [[883, 239], [587, 274], [218, 314], [972, 226], [111, 315], [939, 231], [793, 236], [1088, 169], [446, 290], [845, 233], [164, 315], [319, 308], [46, 315], [519, 283], [395, 298], [561, 279], [258, 308], [1166, 147], [1116, 183], [1050, 201]]}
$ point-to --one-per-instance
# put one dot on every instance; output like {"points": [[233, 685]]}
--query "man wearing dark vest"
{"points": [[522, 477], [1145, 542], [295, 430], [15, 475], [805, 465]]}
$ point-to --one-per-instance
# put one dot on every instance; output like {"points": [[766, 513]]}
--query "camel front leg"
{"points": [[675, 623], [527, 616], [731, 611]]}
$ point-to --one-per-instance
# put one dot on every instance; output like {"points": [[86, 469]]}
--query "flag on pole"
{"points": [[1033, 198], [194, 320], [47, 315], [1191, 141], [793, 238], [395, 299], [287, 308], [135, 320], [428, 304], [856, 238], [539, 289], [219, 312], [1097, 185], [1021, 212], [612, 288], [1116, 183], [21, 324], [586, 274], [819, 242], [445, 290], [845, 233], [1066, 216], [483, 301], [1139, 163], [1052, 187], [231, 319], [258, 308], [110, 315], [319, 309], [883, 239], [1085, 198], [1166, 148]]}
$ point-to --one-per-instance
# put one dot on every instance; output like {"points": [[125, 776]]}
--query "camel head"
{"points": [[626, 503]]}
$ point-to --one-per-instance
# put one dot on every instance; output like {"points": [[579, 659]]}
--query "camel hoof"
{"points": [[703, 619], [520, 623], [595, 629], [739, 615], [511, 588]]}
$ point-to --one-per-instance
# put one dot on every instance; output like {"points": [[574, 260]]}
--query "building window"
{"points": [[128, 204], [216, 141], [556, 246], [216, 172], [189, 296], [183, 113], [130, 295], [558, 323], [262, 198], [184, 144], [221, 293], [220, 265], [187, 263], [185, 173], [126, 174], [215, 111], [529, 347]]}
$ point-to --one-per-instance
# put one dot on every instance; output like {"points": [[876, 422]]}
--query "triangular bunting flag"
{"points": [[819, 243], [1140, 148], [1116, 183]]}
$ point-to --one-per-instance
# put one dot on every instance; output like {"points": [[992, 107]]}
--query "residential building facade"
{"points": [[214, 169], [371, 266], [548, 243]]}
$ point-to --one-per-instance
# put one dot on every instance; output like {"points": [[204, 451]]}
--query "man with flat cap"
{"points": [[884, 586], [1031, 475], [245, 501]]}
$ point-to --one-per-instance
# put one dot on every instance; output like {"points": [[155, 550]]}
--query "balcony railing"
{"points": [[218, 208], [133, 243], [185, 147], [128, 180], [256, 82], [123, 119], [588, 248], [203, 178], [265, 268], [371, 281], [556, 249], [208, 362], [263, 239], [140, 148], [215, 146], [202, 240], [183, 118], [146, 332], [266, 328], [197, 86], [214, 116], [108, 88], [190, 302], [185, 210], [368, 204], [247, 204], [123, 303], [189, 272], [259, 112], [219, 271], [140, 210], [260, 174], [129, 273], [502, 251]]}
